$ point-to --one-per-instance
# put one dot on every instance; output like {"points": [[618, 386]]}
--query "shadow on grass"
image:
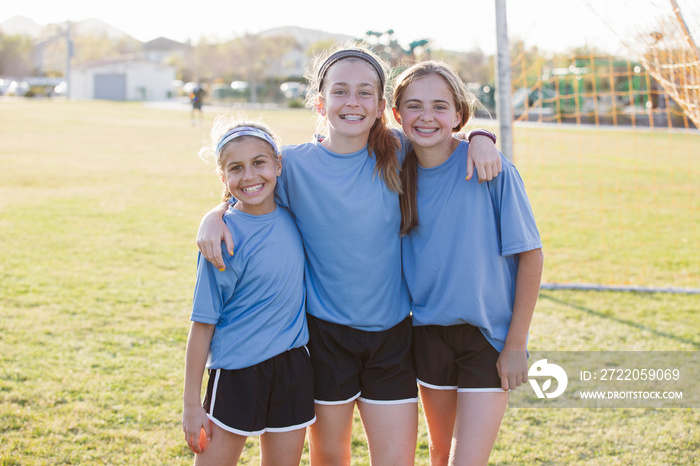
{"points": [[630, 323]]}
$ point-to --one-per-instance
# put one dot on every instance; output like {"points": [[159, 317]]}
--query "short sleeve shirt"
{"points": [[258, 303], [349, 221], [460, 262]]}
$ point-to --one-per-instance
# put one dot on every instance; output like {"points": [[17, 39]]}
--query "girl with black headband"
{"points": [[344, 193]]}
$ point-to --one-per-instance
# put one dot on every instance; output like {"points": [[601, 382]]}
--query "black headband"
{"points": [[350, 53]]}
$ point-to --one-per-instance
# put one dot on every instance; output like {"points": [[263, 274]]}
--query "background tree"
{"points": [[259, 54], [214, 59], [15, 55], [318, 47], [473, 67]]}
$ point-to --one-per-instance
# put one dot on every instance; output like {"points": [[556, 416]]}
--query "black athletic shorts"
{"points": [[455, 357], [348, 363], [273, 396]]}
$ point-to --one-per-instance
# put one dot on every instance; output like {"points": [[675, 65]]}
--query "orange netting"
{"points": [[662, 35]]}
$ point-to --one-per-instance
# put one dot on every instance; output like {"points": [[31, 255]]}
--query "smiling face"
{"points": [[250, 170], [352, 101], [428, 114]]}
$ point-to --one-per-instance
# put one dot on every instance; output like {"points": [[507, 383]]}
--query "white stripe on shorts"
{"points": [[246, 433], [389, 402], [437, 387], [482, 390], [234, 431], [460, 390], [291, 428], [213, 392], [341, 402]]}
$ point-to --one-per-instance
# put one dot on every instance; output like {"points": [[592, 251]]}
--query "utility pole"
{"points": [[503, 84], [69, 56]]}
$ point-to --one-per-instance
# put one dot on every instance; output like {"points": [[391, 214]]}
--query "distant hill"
{"points": [[20, 25], [305, 37], [158, 50], [91, 26], [26, 26]]}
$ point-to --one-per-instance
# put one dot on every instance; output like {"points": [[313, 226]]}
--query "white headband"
{"points": [[245, 131]]}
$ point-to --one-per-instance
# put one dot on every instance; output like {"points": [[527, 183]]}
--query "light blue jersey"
{"points": [[349, 222], [257, 303], [459, 262]]}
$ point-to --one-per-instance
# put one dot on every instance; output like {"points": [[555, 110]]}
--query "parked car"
{"points": [[293, 89], [18, 88], [61, 88]]}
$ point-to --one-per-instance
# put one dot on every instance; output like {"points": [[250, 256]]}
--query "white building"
{"points": [[124, 78]]}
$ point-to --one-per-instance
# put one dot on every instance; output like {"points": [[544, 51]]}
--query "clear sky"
{"points": [[462, 25]]}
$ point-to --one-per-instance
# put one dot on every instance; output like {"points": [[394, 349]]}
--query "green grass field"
{"points": [[99, 207]]}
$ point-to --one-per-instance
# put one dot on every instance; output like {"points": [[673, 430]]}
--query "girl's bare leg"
{"points": [[330, 436], [440, 409], [224, 449], [391, 432], [479, 416], [282, 448]]}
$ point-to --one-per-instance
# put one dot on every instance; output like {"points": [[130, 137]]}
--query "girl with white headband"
{"points": [[344, 193], [248, 320]]}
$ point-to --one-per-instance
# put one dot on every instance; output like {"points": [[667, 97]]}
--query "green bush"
{"points": [[297, 102]]}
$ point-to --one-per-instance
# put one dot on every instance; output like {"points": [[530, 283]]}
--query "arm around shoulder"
{"points": [[212, 231], [483, 155]]}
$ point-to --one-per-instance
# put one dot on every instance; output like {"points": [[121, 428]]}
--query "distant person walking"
{"points": [[197, 100]]}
